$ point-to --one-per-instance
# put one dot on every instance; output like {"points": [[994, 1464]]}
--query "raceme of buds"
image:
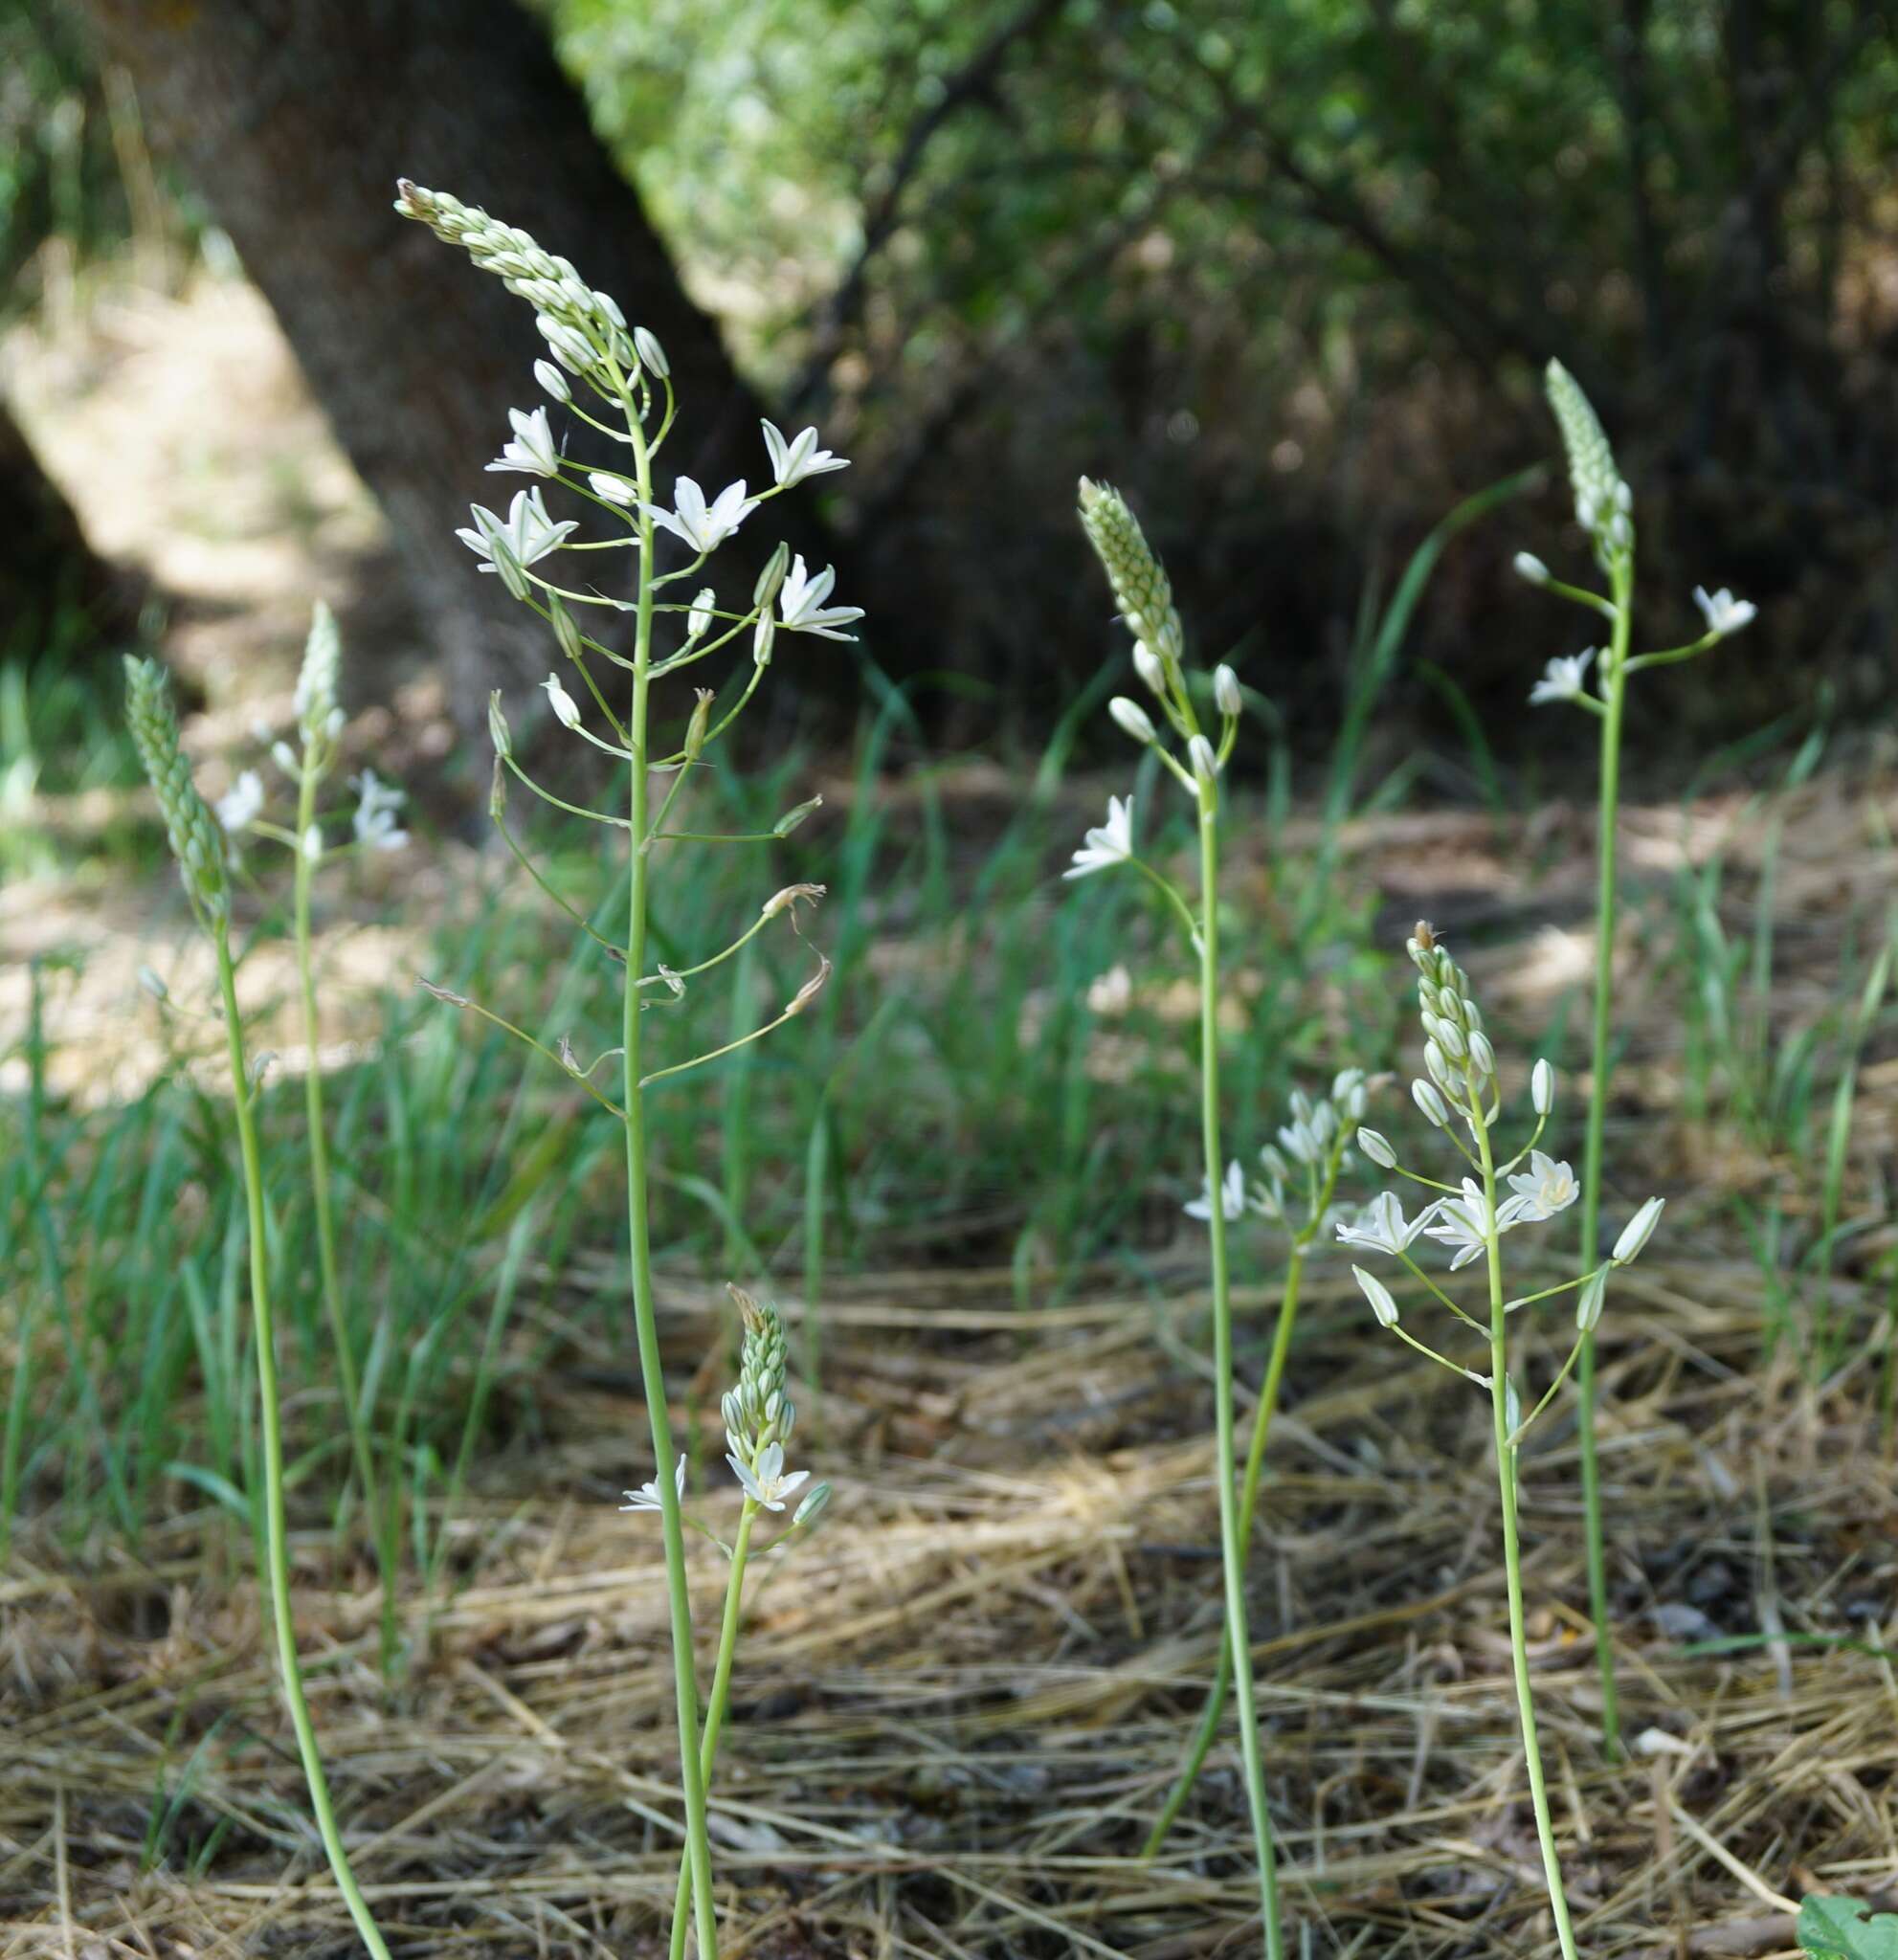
{"points": [[758, 1412], [1601, 499], [1140, 583], [316, 680], [197, 843]]}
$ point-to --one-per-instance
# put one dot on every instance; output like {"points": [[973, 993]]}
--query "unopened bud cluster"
{"points": [[585, 330], [197, 843], [1457, 1053], [319, 717], [1142, 590], [758, 1412], [1604, 504]]}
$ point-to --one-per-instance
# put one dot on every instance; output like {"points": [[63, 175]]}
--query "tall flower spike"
{"points": [[196, 841], [1141, 586]]}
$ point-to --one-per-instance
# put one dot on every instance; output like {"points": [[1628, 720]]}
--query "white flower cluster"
{"points": [[1461, 1082], [1312, 1148], [1604, 507], [591, 343]]}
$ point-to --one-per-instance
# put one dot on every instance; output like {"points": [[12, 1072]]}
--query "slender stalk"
{"points": [[717, 1701], [328, 1269], [692, 1786], [1614, 700], [1231, 1542], [1506, 1478], [1223, 1679], [277, 1557]]}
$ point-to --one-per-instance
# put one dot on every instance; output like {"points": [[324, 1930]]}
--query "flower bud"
{"points": [[815, 1502], [566, 711], [791, 818], [285, 759], [497, 730], [699, 620], [1427, 1099], [695, 729], [1450, 1038], [614, 489], [1481, 1056], [1638, 1231], [1382, 1303], [1530, 567], [553, 380], [772, 576], [566, 629], [1226, 693], [312, 843], [1588, 1307], [1205, 762], [1148, 664], [651, 354], [1377, 1148], [1542, 1086], [1131, 719]]}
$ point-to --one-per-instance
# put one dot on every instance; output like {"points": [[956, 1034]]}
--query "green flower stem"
{"points": [[718, 1700], [652, 1369], [1231, 1541], [1223, 1679], [1614, 701], [327, 1268], [277, 1557], [1512, 1562]]}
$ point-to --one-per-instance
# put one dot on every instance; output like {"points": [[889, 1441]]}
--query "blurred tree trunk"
{"points": [[294, 119], [47, 568]]}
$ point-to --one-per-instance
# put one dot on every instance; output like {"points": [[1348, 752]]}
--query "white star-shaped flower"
{"points": [[1562, 679], [800, 457], [770, 1483], [1107, 843], [527, 531], [1723, 612], [1231, 1196], [1382, 1227], [374, 817], [703, 527], [1463, 1224], [800, 603], [1547, 1187], [238, 807], [532, 452], [647, 1497]]}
